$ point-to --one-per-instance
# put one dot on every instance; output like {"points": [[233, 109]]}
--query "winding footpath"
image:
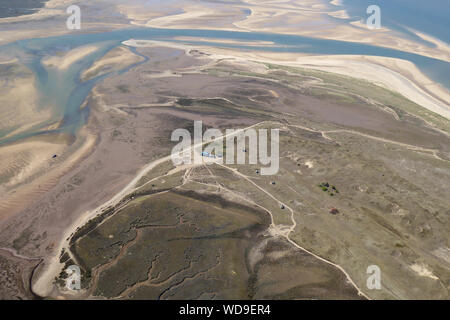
{"points": [[44, 283]]}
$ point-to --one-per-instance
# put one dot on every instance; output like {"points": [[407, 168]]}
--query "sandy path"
{"points": [[43, 285], [277, 231]]}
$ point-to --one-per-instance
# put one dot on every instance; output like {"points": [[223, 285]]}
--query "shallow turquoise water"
{"points": [[64, 93]]}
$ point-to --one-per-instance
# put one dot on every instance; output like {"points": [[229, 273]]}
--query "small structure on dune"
{"points": [[334, 211]]}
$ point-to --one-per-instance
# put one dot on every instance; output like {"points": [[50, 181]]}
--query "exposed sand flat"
{"points": [[181, 14], [341, 14], [22, 160], [114, 60], [395, 74], [313, 18], [37, 170], [18, 100], [392, 39], [304, 18], [65, 61], [318, 25], [440, 45], [135, 11]]}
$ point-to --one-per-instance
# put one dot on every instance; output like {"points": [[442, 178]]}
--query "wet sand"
{"points": [[64, 61]]}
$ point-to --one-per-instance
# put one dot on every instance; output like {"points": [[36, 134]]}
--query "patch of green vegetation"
{"points": [[64, 257], [326, 187], [123, 88], [221, 107], [185, 102], [181, 234], [116, 133], [22, 240]]}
